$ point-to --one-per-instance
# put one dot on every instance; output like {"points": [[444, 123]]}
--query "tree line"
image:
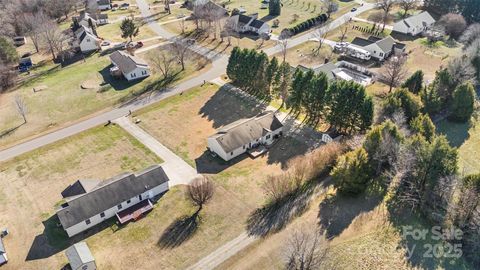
{"points": [[344, 105]]}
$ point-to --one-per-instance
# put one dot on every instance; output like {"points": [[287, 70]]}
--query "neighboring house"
{"points": [[245, 134], [104, 4], [80, 257], [3, 253], [85, 18], [203, 7], [131, 67], [415, 24], [343, 70], [81, 29], [127, 196], [244, 23], [88, 42], [380, 49]]}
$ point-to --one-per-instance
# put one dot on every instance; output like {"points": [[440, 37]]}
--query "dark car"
{"points": [[353, 9]]}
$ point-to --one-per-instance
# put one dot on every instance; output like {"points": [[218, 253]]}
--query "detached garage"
{"points": [[80, 257]]}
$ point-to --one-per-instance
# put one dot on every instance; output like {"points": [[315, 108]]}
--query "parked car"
{"points": [[139, 44], [353, 9], [105, 43], [119, 46]]}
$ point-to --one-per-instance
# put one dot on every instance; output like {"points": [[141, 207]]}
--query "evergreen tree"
{"points": [[315, 97], [260, 84], [431, 100], [352, 172], [415, 82], [444, 85], [402, 99], [274, 7], [423, 125], [129, 29], [271, 72], [350, 109], [463, 102], [281, 85], [8, 53], [233, 64], [298, 86]]}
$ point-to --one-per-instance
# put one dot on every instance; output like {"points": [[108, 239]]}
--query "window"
{"points": [[102, 215], [87, 221], [244, 147], [133, 75], [88, 40], [381, 54], [268, 137], [144, 72], [119, 206], [128, 201], [231, 153]]}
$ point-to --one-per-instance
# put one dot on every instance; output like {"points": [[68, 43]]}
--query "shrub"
{"points": [[352, 172]]}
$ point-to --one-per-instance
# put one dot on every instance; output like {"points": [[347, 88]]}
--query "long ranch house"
{"points": [[238, 137], [127, 196]]}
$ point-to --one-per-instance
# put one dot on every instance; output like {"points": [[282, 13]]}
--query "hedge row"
{"points": [[304, 26]]}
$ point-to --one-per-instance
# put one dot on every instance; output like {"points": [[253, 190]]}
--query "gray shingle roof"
{"points": [[79, 254], [361, 42], [80, 187], [257, 23], [110, 193], [419, 20], [2, 247], [244, 131], [126, 62], [104, 2], [386, 44], [328, 69]]}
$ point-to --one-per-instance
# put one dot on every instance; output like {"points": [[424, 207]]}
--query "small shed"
{"points": [[80, 257]]}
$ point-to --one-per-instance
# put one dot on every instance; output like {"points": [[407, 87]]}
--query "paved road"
{"points": [[179, 172], [218, 68]]}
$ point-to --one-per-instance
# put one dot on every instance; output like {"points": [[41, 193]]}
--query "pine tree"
{"points": [[294, 102], [423, 125], [274, 7], [352, 172], [129, 29], [432, 103], [233, 64], [463, 102], [271, 72], [315, 97], [281, 85], [410, 104], [415, 82]]}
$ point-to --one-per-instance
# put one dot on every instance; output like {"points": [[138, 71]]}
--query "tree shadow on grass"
{"points": [[456, 133], [179, 231], [274, 216], [337, 212], [10, 131]]}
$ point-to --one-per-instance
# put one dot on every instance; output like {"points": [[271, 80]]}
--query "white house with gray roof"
{"points": [[131, 67], [242, 135], [415, 24], [244, 23], [80, 257], [127, 197], [379, 48], [3, 253]]}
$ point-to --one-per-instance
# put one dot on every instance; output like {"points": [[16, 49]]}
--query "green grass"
{"points": [[467, 139]]}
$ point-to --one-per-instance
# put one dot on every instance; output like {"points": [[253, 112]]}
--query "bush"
{"points": [[463, 102], [352, 172], [305, 25]]}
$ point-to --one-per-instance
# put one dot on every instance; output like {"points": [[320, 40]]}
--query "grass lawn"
{"points": [[335, 34], [305, 54], [467, 139], [32, 183], [112, 32], [64, 101]]}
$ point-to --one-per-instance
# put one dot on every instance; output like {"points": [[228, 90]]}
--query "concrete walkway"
{"points": [[224, 252], [389, 27], [178, 171]]}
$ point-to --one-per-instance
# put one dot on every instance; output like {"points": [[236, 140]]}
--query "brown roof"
{"points": [[244, 131]]}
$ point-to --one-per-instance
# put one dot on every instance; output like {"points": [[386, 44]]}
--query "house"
{"points": [[415, 24], [80, 257], [104, 4], [19, 41], [131, 67], [379, 49], [88, 42], [343, 70], [244, 23], [90, 19], [126, 196], [245, 134], [3, 253], [200, 7]]}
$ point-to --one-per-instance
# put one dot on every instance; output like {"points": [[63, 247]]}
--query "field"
{"points": [[31, 185], [352, 33], [64, 101], [112, 32], [467, 138]]}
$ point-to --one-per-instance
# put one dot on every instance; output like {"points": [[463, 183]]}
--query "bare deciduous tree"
{"points": [[181, 49], [163, 62], [330, 6], [386, 6], [33, 27], [200, 191], [305, 250], [21, 107], [181, 23], [283, 44], [454, 24], [408, 5], [377, 18], [277, 187], [344, 29], [472, 33], [461, 69], [394, 72], [53, 37], [320, 34]]}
